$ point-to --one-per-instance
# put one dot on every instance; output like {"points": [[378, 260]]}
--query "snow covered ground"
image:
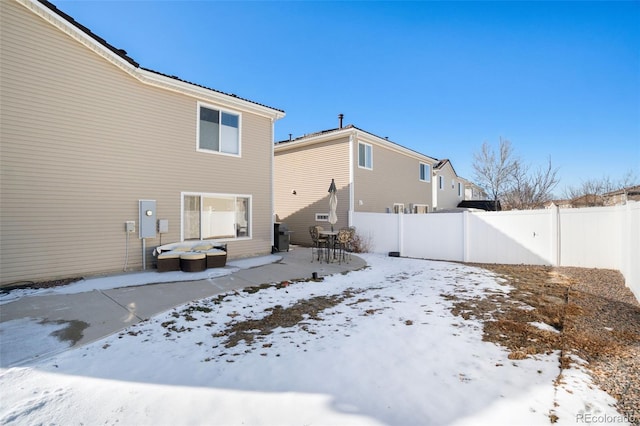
{"points": [[377, 346]]}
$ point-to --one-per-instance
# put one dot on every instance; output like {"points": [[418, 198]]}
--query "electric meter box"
{"points": [[147, 222]]}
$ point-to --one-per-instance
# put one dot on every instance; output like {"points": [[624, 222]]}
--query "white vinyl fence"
{"points": [[594, 237]]}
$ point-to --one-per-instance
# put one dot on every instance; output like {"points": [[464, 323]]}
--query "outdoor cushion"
{"points": [[192, 256], [202, 247], [170, 255]]}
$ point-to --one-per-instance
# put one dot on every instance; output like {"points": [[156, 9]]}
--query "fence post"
{"points": [[400, 233], [555, 236], [465, 236]]}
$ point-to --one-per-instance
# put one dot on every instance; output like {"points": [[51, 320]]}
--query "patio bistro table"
{"points": [[331, 240]]}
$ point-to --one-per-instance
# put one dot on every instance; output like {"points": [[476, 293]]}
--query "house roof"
{"points": [[122, 54], [629, 190], [347, 129], [440, 165]]}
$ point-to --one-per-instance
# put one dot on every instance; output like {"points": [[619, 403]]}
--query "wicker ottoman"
{"points": [[169, 261], [193, 262], [216, 258]]}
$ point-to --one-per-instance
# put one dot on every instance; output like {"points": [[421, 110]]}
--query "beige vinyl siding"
{"points": [[308, 171], [395, 178], [82, 141], [448, 197]]}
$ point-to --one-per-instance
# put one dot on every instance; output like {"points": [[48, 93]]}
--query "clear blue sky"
{"points": [[557, 79]]}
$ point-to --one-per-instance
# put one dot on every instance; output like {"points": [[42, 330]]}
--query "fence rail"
{"points": [[594, 237]]}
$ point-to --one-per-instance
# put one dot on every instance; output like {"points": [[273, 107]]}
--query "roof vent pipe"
{"points": [[289, 136], [340, 117]]}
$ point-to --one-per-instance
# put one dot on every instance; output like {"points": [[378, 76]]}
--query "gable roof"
{"points": [[323, 135], [120, 58], [442, 163]]}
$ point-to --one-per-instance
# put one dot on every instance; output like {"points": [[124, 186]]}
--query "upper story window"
{"points": [[459, 189], [425, 172], [218, 131], [365, 155], [440, 182]]}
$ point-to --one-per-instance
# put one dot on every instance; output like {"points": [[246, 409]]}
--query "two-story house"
{"points": [[97, 150], [448, 188], [372, 174]]}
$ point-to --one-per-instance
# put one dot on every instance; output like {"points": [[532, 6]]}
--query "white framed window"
{"points": [[459, 189], [218, 130], [215, 216], [425, 172], [398, 208], [365, 156], [453, 184], [420, 208], [440, 182], [322, 217]]}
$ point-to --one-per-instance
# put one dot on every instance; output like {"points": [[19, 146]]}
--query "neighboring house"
{"points": [[621, 196], [561, 203], [86, 134], [448, 188], [372, 174], [472, 191], [613, 198]]}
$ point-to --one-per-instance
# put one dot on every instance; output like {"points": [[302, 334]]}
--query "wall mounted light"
{"points": [[293, 191]]}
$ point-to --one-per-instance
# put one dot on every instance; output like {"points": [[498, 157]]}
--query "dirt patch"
{"points": [[586, 312], [39, 284], [281, 317]]}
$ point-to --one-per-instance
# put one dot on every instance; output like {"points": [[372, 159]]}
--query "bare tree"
{"points": [[494, 172], [530, 190], [591, 191]]}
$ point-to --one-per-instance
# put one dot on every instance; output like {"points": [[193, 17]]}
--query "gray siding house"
{"points": [[89, 139]]}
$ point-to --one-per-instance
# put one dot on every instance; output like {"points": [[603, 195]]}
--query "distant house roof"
{"points": [[121, 53], [630, 191], [350, 127]]}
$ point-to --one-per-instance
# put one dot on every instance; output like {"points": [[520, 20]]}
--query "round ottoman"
{"points": [[216, 258], [193, 262], [169, 261]]}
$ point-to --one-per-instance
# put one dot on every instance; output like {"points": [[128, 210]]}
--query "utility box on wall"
{"points": [[147, 222]]}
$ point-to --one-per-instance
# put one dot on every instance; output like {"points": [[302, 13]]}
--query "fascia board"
{"points": [[169, 83], [311, 140], [142, 75], [369, 138]]}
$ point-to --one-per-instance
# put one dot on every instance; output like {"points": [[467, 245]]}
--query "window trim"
{"points": [[201, 105], [441, 182], [427, 172], [322, 217], [399, 209], [459, 189], [369, 148], [249, 235]]}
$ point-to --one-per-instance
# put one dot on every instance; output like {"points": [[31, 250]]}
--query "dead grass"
{"points": [[594, 315]]}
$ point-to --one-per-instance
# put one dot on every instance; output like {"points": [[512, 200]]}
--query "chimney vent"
{"points": [[340, 117], [289, 136]]}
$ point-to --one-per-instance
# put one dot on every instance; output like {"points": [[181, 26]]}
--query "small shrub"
{"points": [[361, 244]]}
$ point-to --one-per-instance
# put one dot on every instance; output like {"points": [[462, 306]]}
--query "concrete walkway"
{"points": [[89, 316]]}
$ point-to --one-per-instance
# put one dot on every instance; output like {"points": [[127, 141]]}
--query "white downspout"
{"points": [[351, 183], [273, 202]]}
